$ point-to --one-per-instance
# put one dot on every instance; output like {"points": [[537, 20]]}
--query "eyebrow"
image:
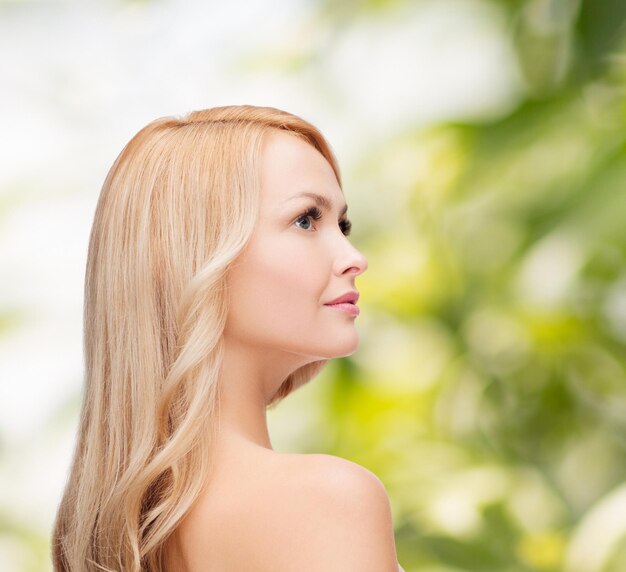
{"points": [[320, 201]]}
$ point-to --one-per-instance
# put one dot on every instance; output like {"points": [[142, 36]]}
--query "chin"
{"points": [[344, 348]]}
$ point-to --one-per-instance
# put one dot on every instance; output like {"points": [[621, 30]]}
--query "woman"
{"points": [[218, 242]]}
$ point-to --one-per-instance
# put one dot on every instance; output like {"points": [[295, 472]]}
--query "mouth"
{"points": [[351, 297], [347, 307]]}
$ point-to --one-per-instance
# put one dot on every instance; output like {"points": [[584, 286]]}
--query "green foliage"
{"points": [[500, 442], [489, 392]]}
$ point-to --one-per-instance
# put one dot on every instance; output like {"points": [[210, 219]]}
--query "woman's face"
{"points": [[294, 264]]}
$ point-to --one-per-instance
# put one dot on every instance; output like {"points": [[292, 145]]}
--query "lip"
{"points": [[351, 297], [346, 307]]}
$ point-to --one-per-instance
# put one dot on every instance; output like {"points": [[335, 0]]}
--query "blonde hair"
{"points": [[177, 207]]}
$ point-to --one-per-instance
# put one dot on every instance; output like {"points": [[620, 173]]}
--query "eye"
{"points": [[316, 214], [312, 212], [346, 226]]}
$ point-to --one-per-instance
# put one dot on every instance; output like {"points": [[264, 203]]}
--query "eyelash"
{"points": [[316, 214]]}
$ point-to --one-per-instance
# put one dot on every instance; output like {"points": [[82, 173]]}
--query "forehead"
{"points": [[291, 167]]}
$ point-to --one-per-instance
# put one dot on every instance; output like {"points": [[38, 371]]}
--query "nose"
{"points": [[352, 260]]}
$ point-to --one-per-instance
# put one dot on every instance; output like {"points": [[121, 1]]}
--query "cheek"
{"points": [[277, 291]]}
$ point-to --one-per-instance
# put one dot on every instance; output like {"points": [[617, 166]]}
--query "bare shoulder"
{"points": [[327, 476], [285, 512], [336, 515]]}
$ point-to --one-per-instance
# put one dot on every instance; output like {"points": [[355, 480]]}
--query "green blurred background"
{"points": [[483, 148]]}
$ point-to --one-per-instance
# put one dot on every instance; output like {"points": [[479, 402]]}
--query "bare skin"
{"points": [[291, 268]]}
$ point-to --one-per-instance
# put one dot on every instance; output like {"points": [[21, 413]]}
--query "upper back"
{"points": [[283, 512]]}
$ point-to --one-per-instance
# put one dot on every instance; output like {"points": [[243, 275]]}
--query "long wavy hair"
{"points": [[177, 207]]}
